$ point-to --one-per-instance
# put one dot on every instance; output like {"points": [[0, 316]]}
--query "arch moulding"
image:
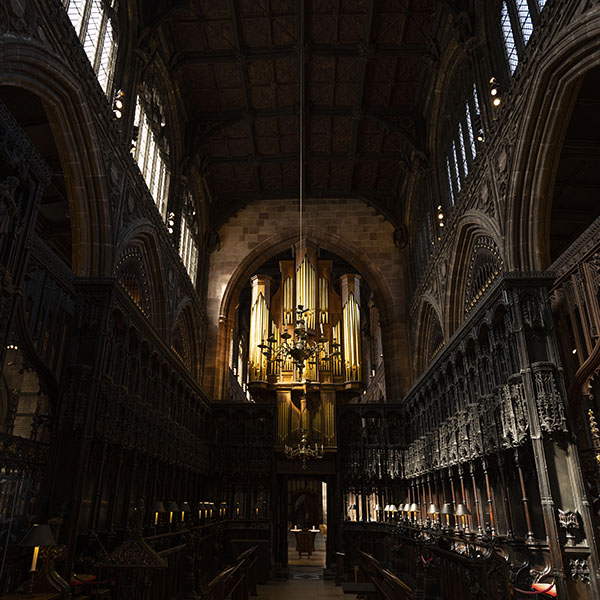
{"points": [[529, 198]]}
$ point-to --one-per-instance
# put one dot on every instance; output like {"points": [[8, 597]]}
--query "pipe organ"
{"points": [[331, 317], [334, 317]]}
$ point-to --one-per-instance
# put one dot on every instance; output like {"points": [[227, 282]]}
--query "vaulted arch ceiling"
{"points": [[237, 65]]}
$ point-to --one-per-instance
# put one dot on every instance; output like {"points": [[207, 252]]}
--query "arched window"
{"points": [[188, 247], [517, 20], [93, 23], [150, 148], [463, 142]]}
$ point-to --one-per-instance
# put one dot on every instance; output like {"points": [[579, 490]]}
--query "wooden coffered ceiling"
{"points": [[237, 63]]}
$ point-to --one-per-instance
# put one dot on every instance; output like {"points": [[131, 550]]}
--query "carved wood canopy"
{"points": [[237, 64]]}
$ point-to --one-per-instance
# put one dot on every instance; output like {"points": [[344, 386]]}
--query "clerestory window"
{"points": [[463, 145], [150, 150], [93, 23], [188, 247], [517, 21]]}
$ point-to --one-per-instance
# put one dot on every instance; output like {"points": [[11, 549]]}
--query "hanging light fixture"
{"points": [[302, 349], [303, 450]]}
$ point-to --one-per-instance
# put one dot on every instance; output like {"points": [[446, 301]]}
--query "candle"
{"points": [[156, 518], [170, 517], [321, 328], [36, 551]]}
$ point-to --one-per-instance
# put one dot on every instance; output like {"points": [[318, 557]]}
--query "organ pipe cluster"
{"points": [[329, 316]]}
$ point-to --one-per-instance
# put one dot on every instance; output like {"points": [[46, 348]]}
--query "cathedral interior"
{"points": [[297, 289]]}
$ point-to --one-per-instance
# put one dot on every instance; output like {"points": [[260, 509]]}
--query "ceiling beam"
{"points": [[245, 80], [191, 57], [362, 77], [314, 156]]}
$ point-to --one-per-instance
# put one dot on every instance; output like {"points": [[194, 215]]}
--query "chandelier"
{"points": [[303, 451], [300, 350]]}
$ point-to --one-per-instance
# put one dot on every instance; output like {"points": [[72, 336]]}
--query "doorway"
{"points": [[307, 522]]}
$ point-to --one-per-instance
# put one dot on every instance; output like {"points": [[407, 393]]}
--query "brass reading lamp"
{"points": [[172, 508], [185, 508], [36, 537], [158, 508], [447, 510], [433, 510], [463, 512]]}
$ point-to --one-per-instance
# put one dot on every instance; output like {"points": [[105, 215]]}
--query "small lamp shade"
{"points": [[433, 509], [447, 509], [158, 507], [406, 508], [172, 508], [38, 535], [413, 508], [393, 508], [185, 508], [462, 510]]}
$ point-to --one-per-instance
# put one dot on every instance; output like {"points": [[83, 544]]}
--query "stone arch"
{"points": [[537, 152], [139, 243], [428, 334], [27, 65], [473, 228], [185, 337], [332, 243]]}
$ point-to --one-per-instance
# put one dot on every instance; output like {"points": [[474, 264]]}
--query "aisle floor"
{"points": [[303, 583]]}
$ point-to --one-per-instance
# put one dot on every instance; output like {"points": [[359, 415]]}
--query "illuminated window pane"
{"points": [[524, 19], [456, 169], [75, 11], [470, 134], [463, 149], [188, 250], [151, 161], [476, 100], [94, 29], [450, 182], [509, 40], [106, 58], [92, 32]]}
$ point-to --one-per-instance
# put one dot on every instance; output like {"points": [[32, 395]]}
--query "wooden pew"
{"points": [[387, 585], [249, 559], [236, 582]]}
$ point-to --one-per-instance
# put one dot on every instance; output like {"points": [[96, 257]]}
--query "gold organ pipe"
{"points": [[352, 357], [337, 360], [288, 301], [257, 335], [323, 300], [274, 367], [306, 290]]}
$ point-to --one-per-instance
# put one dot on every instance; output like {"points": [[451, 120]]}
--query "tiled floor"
{"points": [[300, 587]]}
